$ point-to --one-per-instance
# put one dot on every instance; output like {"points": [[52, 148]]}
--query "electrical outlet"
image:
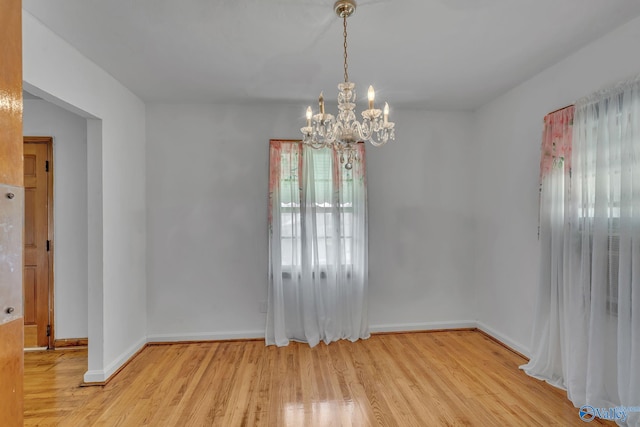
{"points": [[263, 306]]}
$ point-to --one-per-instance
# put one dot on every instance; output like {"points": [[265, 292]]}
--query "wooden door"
{"points": [[37, 244], [11, 214]]}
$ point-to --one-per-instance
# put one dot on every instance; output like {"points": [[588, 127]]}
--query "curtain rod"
{"points": [[560, 109]]}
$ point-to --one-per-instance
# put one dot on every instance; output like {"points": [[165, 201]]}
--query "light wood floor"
{"points": [[416, 379]]}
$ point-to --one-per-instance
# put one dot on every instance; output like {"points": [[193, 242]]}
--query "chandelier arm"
{"points": [[377, 143], [361, 132], [327, 133], [383, 135], [337, 132]]}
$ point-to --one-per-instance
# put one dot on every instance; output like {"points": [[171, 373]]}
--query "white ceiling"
{"points": [[455, 54]]}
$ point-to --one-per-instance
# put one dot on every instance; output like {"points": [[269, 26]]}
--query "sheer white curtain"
{"points": [[318, 271], [555, 169], [594, 350]]}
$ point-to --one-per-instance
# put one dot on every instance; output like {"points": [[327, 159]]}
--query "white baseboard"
{"points": [[94, 377], [26, 349], [221, 336], [462, 324], [524, 350], [427, 326], [205, 336], [100, 376]]}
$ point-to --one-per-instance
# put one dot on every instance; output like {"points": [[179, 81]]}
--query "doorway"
{"points": [[38, 242]]}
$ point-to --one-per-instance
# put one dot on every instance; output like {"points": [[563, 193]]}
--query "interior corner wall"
{"points": [[507, 148], [116, 174], [69, 132], [207, 238]]}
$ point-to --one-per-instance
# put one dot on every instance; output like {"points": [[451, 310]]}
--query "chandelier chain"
{"points": [[344, 33]]}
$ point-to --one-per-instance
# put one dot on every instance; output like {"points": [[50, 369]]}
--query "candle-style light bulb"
{"points": [[371, 94], [386, 112], [321, 104], [309, 115]]}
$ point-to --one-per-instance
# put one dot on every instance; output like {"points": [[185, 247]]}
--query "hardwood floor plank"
{"points": [[456, 378]]}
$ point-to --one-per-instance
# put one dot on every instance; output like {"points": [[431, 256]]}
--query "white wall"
{"points": [[420, 224], [116, 141], [507, 148], [69, 132], [207, 183], [207, 175]]}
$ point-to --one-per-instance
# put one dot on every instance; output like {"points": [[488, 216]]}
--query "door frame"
{"points": [[48, 140]]}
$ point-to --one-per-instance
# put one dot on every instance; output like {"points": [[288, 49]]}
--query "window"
{"points": [[333, 211], [601, 172]]}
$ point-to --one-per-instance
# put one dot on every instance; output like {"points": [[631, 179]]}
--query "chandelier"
{"points": [[343, 132]]}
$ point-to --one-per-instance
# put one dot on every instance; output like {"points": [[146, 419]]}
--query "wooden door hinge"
{"points": [[48, 330], [46, 166], [48, 245]]}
